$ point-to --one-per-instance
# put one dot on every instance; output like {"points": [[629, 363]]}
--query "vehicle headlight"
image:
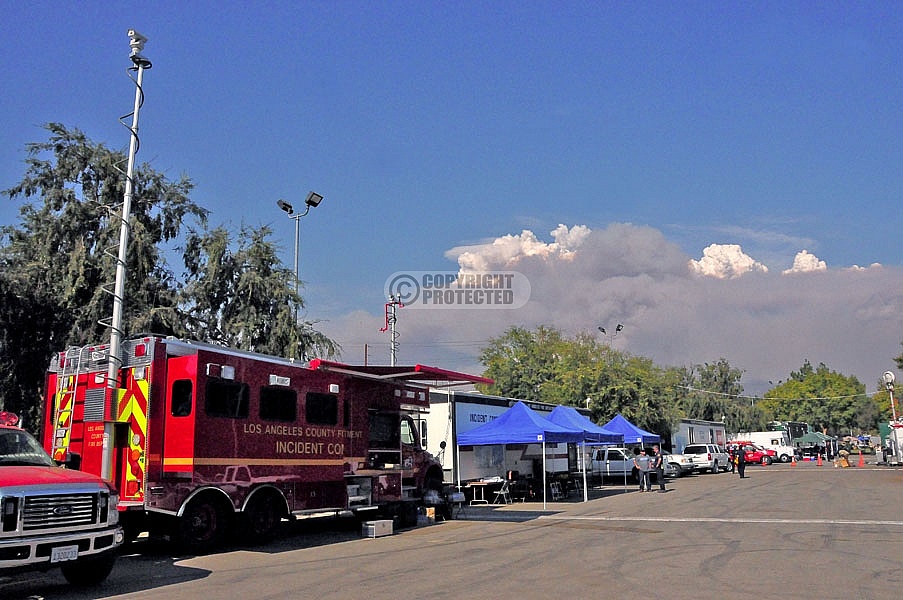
{"points": [[113, 516], [9, 513]]}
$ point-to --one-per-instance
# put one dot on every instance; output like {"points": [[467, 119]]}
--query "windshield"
{"points": [[18, 448]]}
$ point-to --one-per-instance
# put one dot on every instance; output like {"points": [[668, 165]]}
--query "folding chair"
{"points": [[504, 493], [556, 491]]}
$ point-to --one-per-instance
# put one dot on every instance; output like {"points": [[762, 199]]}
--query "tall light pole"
{"points": [[895, 427], [889, 378], [313, 200]]}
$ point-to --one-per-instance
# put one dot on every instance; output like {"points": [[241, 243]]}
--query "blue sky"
{"points": [[757, 130]]}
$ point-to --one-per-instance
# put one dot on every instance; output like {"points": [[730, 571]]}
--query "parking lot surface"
{"points": [[783, 532]]}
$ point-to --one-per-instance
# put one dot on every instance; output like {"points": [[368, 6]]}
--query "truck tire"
{"points": [[785, 458], [203, 525], [262, 516], [89, 571], [677, 471], [766, 460], [715, 468]]}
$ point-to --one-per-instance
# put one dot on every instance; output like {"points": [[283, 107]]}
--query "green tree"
{"points": [[827, 400], [58, 262], [244, 297], [522, 361], [544, 365], [60, 259]]}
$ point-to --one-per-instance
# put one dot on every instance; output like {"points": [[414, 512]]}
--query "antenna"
{"points": [[139, 64], [392, 305]]}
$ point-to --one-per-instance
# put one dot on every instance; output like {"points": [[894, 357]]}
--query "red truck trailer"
{"points": [[201, 439]]}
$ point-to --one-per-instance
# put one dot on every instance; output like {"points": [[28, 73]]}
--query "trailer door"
{"points": [[179, 416]]}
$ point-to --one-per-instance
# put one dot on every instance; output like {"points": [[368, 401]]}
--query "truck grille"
{"points": [[50, 512]]}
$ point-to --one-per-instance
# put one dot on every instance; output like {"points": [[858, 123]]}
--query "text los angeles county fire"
{"points": [[336, 447]]}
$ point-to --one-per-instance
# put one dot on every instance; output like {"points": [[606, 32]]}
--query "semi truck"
{"points": [[203, 440]]}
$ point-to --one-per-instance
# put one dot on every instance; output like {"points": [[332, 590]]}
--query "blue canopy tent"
{"points": [[596, 434], [632, 433], [521, 425]]}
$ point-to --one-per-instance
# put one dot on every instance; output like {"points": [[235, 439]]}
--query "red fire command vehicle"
{"points": [[199, 438]]}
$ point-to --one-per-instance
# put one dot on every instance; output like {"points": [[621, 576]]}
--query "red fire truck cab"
{"points": [[198, 437]]}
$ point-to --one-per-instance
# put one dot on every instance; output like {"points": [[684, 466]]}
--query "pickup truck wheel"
{"points": [[766, 460], [89, 571], [203, 525], [715, 468], [676, 468]]}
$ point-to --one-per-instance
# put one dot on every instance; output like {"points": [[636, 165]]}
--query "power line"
{"points": [[741, 396]]}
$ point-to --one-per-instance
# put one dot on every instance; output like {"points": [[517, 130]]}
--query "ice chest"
{"points": [[376, 529]]}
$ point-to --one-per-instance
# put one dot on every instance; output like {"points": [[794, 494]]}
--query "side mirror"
{"points": [[73, 461]]}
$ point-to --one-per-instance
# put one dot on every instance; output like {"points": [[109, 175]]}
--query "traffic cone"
{"points": [[819, 459], [793, 461], [861, 459]]}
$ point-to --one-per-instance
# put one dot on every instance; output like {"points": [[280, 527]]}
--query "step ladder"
{"points": [[64, 399]]}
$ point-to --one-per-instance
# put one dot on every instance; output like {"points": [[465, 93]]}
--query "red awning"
{"points": [[417, 373]]}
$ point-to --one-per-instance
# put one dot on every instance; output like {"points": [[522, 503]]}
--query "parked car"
{"points": [[708, 457], [755, 455]]}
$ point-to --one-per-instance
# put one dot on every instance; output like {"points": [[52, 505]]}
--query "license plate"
{"points": [[63, 553]]}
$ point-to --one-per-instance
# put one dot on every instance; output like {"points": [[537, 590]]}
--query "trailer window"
{"points": [[226, 399], [181, 399], [321, 409], [278, 404]]}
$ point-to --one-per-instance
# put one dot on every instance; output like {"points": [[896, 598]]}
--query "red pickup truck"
{"points": [[754, 453], [52, 516]]}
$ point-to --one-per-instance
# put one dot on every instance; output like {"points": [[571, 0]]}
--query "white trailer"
{"points": [[779, 441], [455, 412], [697, 431]]}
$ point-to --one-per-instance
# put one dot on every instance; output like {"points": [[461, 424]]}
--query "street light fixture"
{"points": [[612, 336], [313, 200]]}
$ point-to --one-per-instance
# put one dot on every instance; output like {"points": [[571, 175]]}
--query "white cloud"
{"points": [[806, 263], [726, 261], [506, 251], [767, 325]]}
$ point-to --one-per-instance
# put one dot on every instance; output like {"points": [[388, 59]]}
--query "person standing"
{"points": [[658, 467], [641, 462], [741, 461]]}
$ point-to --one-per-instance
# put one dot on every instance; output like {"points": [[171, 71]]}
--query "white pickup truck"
{"points": [[614, 463]]}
